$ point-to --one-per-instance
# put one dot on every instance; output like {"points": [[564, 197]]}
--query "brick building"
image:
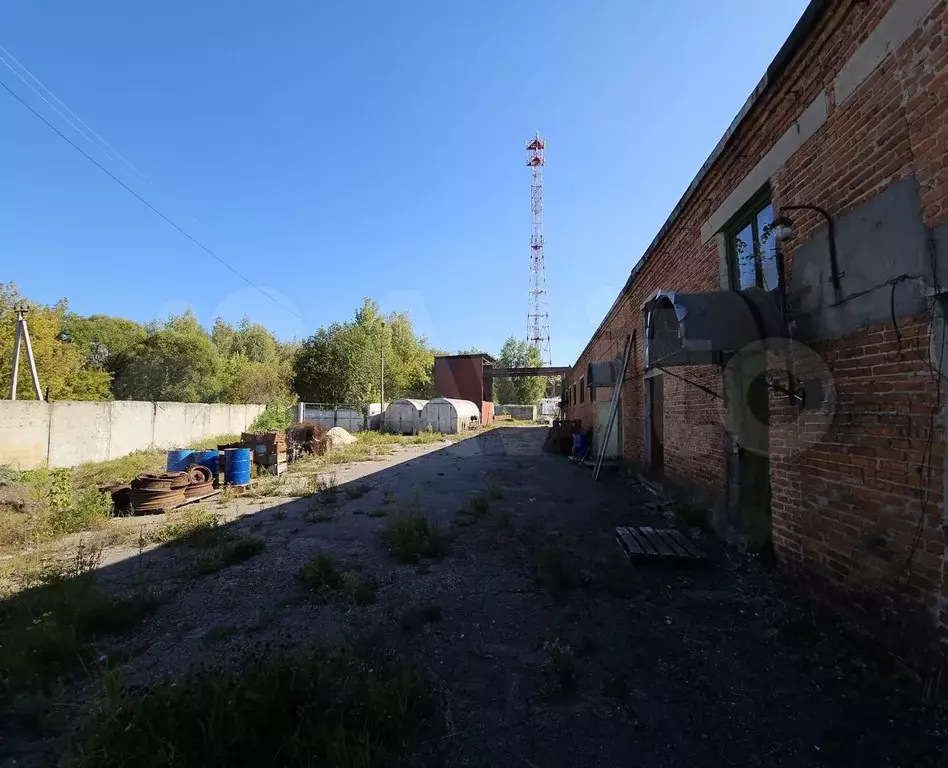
{"points": [[820, 222]]}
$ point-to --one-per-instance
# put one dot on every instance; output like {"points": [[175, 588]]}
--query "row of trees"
{"points": [[176, 359]]}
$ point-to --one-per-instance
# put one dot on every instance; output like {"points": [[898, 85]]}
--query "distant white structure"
{"points": [[403, 417], [549, 406], [449, 416]]}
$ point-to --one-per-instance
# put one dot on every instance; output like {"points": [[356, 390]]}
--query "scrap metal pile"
{"points": [[149, 493]]}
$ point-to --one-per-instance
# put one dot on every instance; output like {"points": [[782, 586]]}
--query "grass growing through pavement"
{"points": [[417, 615], [559, 665], [410, 535], [322, 576], [51, 627], [350, 705], [193, 526], [479, 504], [229, 553]]}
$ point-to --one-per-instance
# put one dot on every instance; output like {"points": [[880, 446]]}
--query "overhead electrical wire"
{"points": [[126, 187], [102, 146]]}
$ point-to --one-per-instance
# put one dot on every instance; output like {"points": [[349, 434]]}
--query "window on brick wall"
{"points": [[574, 394], [582, 389], [752, 248]]}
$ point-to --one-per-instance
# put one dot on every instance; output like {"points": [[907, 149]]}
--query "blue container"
{"points": [[207, 459], [179, 459], [237, 466]]}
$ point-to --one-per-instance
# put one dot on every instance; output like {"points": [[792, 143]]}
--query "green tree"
{"points": [[101, 339], [62, 367], [521, 390], [171, 365], [341, 364]]}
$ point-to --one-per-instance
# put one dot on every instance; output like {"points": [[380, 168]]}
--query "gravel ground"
{"points": [[596, 662]]}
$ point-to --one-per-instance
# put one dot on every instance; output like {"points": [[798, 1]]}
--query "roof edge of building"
{"points": [[811, 15]]}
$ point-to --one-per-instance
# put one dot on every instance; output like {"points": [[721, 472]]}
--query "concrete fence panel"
{"points": [[68, 433], [24, 433], [171, 427], [133, 427], [78, 432]]}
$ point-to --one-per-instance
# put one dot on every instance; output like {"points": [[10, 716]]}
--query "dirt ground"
{"points": [[551, 649]]}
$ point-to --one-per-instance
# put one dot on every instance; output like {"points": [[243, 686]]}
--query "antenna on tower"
{"points": [[538, 317]]}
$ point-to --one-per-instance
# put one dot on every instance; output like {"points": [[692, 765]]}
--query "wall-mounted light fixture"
{"points": [[782, 229]]}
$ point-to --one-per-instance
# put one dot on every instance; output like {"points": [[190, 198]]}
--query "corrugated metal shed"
{"points": [[449, 416], [403, 417]]}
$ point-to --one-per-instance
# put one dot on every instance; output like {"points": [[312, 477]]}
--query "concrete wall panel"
{"points": [[133, 427], [24, 433], [65, 434], [78, 432], [170, 427]]}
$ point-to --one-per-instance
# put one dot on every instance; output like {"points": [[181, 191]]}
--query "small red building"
{"points": [[462, 377]]}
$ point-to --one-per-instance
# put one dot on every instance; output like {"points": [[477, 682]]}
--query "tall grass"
{"points": [[351, 705]]}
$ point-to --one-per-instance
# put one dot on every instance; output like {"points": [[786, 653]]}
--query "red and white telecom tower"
{"points": [[538, 317]]}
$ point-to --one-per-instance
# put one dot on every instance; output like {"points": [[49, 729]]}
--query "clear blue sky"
{"points": [[331, 151]]}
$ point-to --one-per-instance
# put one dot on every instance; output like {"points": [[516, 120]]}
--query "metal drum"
{"points": [[207, 459], [237, 466], [179, 459]]}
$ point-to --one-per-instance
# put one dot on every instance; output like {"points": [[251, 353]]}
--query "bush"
{"points": [[71, 511], [344, 706], [277, 415]]}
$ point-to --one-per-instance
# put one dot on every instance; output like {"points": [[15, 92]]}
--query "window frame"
{"points": [[747, 215], [582, 389]]}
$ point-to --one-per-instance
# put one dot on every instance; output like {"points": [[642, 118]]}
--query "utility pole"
{"points": [[22, 332], [382, 379]]}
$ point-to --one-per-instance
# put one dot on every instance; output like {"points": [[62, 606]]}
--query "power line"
{"points": [[143, 201], [107, 148]]}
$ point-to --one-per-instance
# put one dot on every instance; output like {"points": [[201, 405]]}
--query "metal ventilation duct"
{"points": [[700, 328]]}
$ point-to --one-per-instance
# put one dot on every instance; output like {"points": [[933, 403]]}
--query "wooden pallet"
{"points": [[648, 543]]}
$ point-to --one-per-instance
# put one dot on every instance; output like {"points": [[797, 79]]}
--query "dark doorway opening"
{"points": [[754, 466]]}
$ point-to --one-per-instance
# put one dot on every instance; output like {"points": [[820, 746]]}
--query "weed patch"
{"points": [[554, 569], [381, 512], [494, 492], [230, 553], [52, 626], [559, 665], [342, 706], [322, 576], [479, 504], [417, 615], [411, 535], [357, 490], [315, 516], [194, 527], [219, 635]]}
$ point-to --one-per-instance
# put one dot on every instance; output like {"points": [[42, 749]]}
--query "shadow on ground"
{"points": [[540, 644]]}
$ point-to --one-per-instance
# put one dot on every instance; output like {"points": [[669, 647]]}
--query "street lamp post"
{"points": [[382, 378]]}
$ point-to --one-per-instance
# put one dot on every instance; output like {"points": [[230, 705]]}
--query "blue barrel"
{"points": [[207, 459], [179, 459], [237, 466]]}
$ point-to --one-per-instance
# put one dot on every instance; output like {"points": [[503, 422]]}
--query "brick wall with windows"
{"points": [[859, 513]]}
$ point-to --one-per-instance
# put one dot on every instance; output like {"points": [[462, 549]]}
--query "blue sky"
{"points": [[331, 151]]}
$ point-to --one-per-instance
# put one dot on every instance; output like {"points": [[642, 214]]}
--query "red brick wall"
{"points": [[849, 510]]}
